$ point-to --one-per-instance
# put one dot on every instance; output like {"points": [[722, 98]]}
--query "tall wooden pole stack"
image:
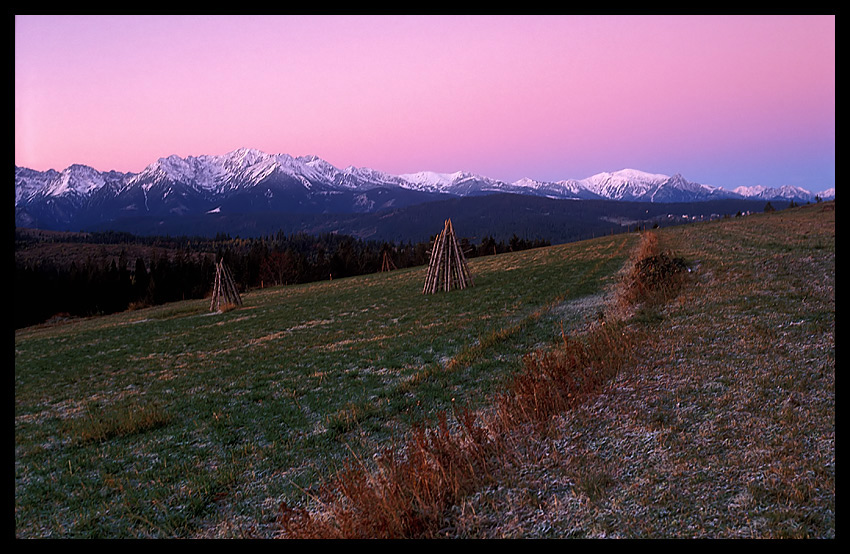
{"points": [[447, 269], [224, 289]]}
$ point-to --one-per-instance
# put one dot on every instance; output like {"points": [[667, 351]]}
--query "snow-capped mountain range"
{"points": [[248, 180]]}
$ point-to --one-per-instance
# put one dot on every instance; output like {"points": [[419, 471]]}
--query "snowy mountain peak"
{"points": [[527, 182], [432, 180], [626, 184], [173, 167], [77, 180], [249, 155], [786, 191], [624, 176], [318, 167]]}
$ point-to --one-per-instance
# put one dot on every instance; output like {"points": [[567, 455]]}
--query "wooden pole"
{"points": [[224, 288], [216, 286], [232, 293]]}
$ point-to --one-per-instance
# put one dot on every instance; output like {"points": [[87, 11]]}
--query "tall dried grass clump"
{"points": [[100, 424], [651, 277], [405, 492], [557, 379]]}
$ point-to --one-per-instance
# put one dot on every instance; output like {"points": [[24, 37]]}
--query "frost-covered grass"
{"points": [[724, 424], [175, 422], [719, 420]]}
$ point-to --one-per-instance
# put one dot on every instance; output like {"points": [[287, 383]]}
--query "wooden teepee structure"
{"points": [[387, 264], [447, 269], [224, 289]]}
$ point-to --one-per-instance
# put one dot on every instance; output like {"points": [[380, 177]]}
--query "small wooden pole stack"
{"points": [[224, 289], [387, 264], [447, 269]]}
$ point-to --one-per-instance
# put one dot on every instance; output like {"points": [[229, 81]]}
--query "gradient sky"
{"points": [[723, 100]]}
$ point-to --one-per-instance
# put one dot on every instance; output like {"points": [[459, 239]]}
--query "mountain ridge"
{"points": [[249, 180]]}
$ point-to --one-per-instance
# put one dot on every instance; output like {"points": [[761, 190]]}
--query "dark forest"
{"points": [[183, 268]]}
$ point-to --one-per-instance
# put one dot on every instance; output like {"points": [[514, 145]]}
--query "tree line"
{"points": [[182, 268]]}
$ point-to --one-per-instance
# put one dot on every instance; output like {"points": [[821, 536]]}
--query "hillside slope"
{"points": [[497, 215], [222, 416], [725, 428], [177, 422]]}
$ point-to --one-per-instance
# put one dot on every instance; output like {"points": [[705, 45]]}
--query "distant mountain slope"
{"points": [[474, 217], [249, 181]]}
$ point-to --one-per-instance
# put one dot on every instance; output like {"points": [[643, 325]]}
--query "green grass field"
{"points": [[719, 422], [170, 421]]}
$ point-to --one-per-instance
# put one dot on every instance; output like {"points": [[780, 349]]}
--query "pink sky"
{"points": [[725, 101]]}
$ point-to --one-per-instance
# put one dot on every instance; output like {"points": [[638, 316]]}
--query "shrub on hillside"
{"points": [[654, 277]]}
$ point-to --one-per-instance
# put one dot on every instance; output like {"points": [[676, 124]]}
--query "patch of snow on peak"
{"points": [[176, 168], [629, 175], [431, 178], [317, 167], [749, 191], [624, 184], [76, 179], [527, 182]]}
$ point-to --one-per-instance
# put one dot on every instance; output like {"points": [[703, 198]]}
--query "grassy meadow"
{"points": [[723, 424], [173, 421], [600, 406]]}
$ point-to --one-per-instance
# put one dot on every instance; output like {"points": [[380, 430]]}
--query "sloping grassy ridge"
{"points": [[723, 426], [717, 418], [705, 408], [176, 422]]}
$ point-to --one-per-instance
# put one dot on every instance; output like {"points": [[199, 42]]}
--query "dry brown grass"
{"points": [[403, 493], [100, 423], [557, 379], [227, 307]]}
